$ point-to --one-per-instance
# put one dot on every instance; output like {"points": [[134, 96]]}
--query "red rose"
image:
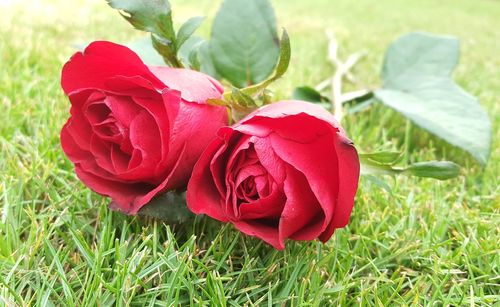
{"points": [[134, 130], [285, 171]]}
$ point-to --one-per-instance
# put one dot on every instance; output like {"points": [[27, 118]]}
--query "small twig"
{"points": [[341, 71], [352, 60], [337, 93]]}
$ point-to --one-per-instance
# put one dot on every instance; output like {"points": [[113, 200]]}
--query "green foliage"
{"points": [[206, 61], [167, 50], [244, 42], [187, 29], [307, 93], [155, 17], [441, 170], [242, 99], [285, 53], [417, 83], [149, 16], [384, 163], [245, 100], [190, 46]]}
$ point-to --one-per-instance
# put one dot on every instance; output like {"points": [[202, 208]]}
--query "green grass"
{"points": [[427, 243]]}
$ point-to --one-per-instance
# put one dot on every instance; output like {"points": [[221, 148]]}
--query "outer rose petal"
{"points": [[317, 162], [194, 86], [194, 126], [74, 152], [202, 195], [126, 197], [349, 169], [302, 215], [100, 61], [292, 107], [262, 231]]}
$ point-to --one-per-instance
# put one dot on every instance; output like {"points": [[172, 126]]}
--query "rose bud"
{"points": [[135, 131], [286, 171]]}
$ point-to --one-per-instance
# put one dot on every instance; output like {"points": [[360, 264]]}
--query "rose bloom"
{"points": [[286, 171], [135, 131]]}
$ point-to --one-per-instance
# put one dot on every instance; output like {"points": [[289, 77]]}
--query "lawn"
{"points": [[425, 243]]}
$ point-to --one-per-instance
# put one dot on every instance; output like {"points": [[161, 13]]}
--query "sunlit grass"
{"points": [[427, 242]]}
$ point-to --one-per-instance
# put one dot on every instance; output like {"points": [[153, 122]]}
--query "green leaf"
{"points": [[196, 46], [144, 49], [361, 106], [244, 42], [170, 207], [194, 61], [207, 65], [307, 93], [284, 56], [417, 83], [241, 100], [281, 67], [187, 29], [441, 170], [154, 16], [192, 44]]}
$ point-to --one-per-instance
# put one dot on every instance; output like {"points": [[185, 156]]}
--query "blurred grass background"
{"points": [[426, 243]]}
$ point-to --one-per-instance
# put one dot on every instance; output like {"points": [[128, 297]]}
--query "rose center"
{"points": [[247, 190], [106, 126], [97, 112]]}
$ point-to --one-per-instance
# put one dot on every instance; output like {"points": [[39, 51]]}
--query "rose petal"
{"points": [[287, 108], [202, 195], [80, 131], [132, 86], [268, 158], [302, 216], [74, 152], [309, 129], [194, 86], [127, 197], [124, 195], [348, 168], [194, 127], [124, 109], [100, 61], [269, 207], [161, 118], [119, 160], [238, 145], [144, 136], [261, 230], [317, 161], [101, 153]]}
